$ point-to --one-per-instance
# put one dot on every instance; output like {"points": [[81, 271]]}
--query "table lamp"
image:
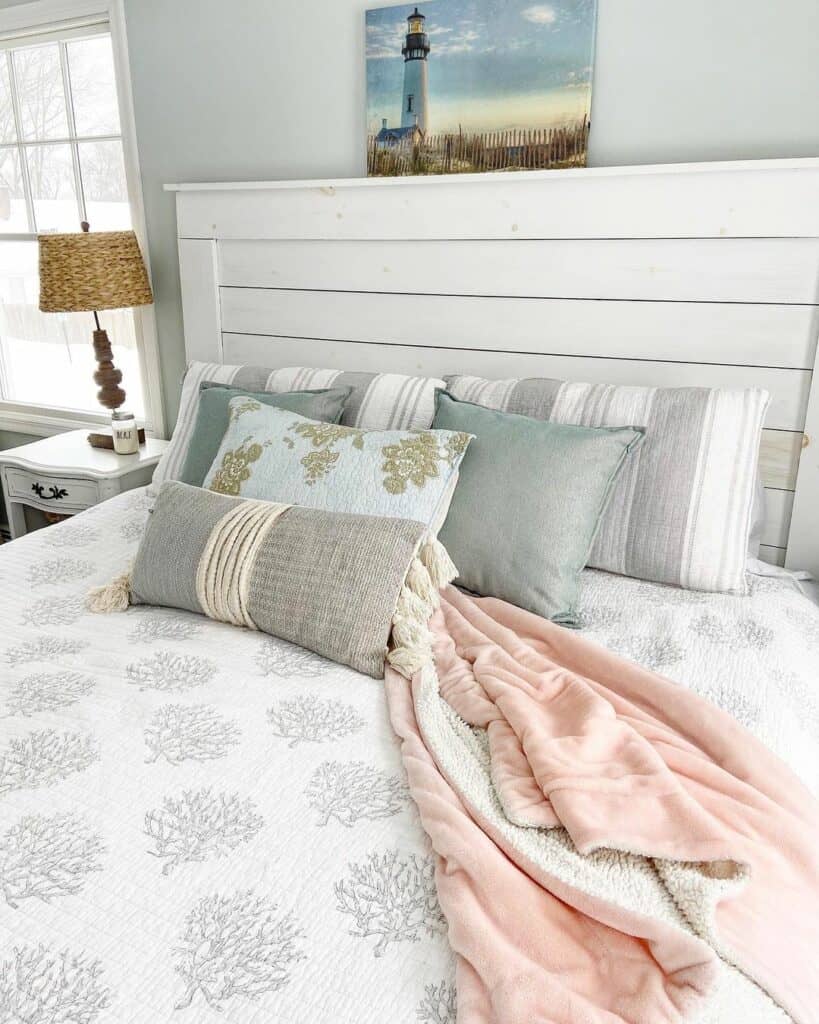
{"points": [[88, 271]]}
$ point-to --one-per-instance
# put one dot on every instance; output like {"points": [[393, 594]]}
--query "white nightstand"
{"points": [[65, 475]]}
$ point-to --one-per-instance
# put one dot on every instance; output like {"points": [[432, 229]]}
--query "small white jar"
{"points": [[124, 431]]}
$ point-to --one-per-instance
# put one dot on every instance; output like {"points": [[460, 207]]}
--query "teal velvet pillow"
{"points": [[213, 415], [528, 502]]}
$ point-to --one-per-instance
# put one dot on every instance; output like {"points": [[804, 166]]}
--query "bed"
{"points": [[180, 759], [204, 823]]}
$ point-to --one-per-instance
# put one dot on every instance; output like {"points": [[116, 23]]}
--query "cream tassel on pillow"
{"points": [[420, 583], [408, 661], [114, 597], [411, 606], [411, 633], [437, 562], [419, 597]]}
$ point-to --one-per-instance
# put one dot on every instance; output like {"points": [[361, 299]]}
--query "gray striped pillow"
{"points": [[378, 401], [681, 508]]}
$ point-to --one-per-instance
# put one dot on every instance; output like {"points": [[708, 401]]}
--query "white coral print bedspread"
{"points": [[200, 823], [755, 656], [197, 822]]}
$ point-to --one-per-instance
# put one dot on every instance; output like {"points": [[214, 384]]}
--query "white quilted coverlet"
{"points": [[201, 823]]}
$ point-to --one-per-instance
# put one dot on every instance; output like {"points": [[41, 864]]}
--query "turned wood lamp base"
{"points": [[108, 377]]}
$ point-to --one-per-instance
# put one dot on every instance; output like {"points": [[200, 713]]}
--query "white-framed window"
{"points": [[67, 155]]}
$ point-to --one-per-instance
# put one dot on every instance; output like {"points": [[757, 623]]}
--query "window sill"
{"points": [[44, 422]]}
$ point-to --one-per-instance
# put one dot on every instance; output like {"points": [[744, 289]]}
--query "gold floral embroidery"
{"points": [[318, 464], [415, 460], [455, 446], [246, 405], [412, 459], [234, 470], [324, 437], [327, 434]]}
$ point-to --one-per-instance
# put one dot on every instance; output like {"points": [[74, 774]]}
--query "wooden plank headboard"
{"points": [[695, 274]]}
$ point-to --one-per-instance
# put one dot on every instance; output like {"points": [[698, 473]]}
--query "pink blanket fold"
{"points": [[581, 740]]}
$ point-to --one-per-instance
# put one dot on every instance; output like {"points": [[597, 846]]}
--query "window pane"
{"points": [[8, 133], [48, 357], [40, 92], [51, 172], [13, 213], [93, 86], [103, 180]]}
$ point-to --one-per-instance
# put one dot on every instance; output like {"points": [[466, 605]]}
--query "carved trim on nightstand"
{"points": [[57, 493]]}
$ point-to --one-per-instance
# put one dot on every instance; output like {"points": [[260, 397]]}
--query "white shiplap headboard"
{"points": [[695, 274]]}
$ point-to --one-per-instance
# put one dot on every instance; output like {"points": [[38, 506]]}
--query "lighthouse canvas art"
{"points": [[464, 86]]}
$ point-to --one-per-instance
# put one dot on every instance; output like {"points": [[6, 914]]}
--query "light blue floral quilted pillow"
{"points": [[275, 455]]}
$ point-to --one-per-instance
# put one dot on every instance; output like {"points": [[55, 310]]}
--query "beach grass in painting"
{"points": [[461, 86]]}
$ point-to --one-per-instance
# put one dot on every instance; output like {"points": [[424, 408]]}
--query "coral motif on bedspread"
{"points": [[53, 611], [43, 758], [353, 791], [308, 719], [45, 648], [439, 1004], [39, 985], [72, 535], [391, 898], [200, 824], [236, 947], [54, 571], [179, 732], [170, 672], [165, 779], [47, 691], [42, 857], [154, 628], [279, 658]]}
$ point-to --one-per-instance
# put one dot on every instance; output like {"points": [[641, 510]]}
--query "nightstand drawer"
{"points": [[49, 492]]}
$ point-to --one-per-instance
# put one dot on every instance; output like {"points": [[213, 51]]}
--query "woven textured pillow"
{"points": [[681, 509], [377, 401], [279, 456], [356, 589]]}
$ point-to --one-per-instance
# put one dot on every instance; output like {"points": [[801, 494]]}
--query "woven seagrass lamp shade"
{"points": [[89, 271]]}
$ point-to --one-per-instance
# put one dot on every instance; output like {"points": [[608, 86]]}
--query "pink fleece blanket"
{"points": [[586, 754]]}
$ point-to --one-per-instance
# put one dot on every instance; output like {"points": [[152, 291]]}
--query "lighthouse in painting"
{"points": [[415, 109]]}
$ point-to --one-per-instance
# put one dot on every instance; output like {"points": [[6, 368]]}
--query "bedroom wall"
{"points": [[218, 97], [278, 92]]}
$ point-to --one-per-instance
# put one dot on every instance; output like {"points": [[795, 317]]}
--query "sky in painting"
{"points": [[493, 65]]}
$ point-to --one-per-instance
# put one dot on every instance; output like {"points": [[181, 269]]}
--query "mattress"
{"points": [[202, 823]]}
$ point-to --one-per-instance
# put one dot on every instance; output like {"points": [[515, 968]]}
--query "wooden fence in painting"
{"points": [[465, 153]]}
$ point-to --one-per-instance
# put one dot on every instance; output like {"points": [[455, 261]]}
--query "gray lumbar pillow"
{"points": [[213, 416], [528, 503], [356, 589]]}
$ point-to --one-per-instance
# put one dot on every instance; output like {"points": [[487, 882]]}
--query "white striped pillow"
{"points": [[681, 508], [378, 401]]}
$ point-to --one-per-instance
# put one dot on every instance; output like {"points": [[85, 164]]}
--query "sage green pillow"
{"points": [[213, 416], [528, 502]]}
